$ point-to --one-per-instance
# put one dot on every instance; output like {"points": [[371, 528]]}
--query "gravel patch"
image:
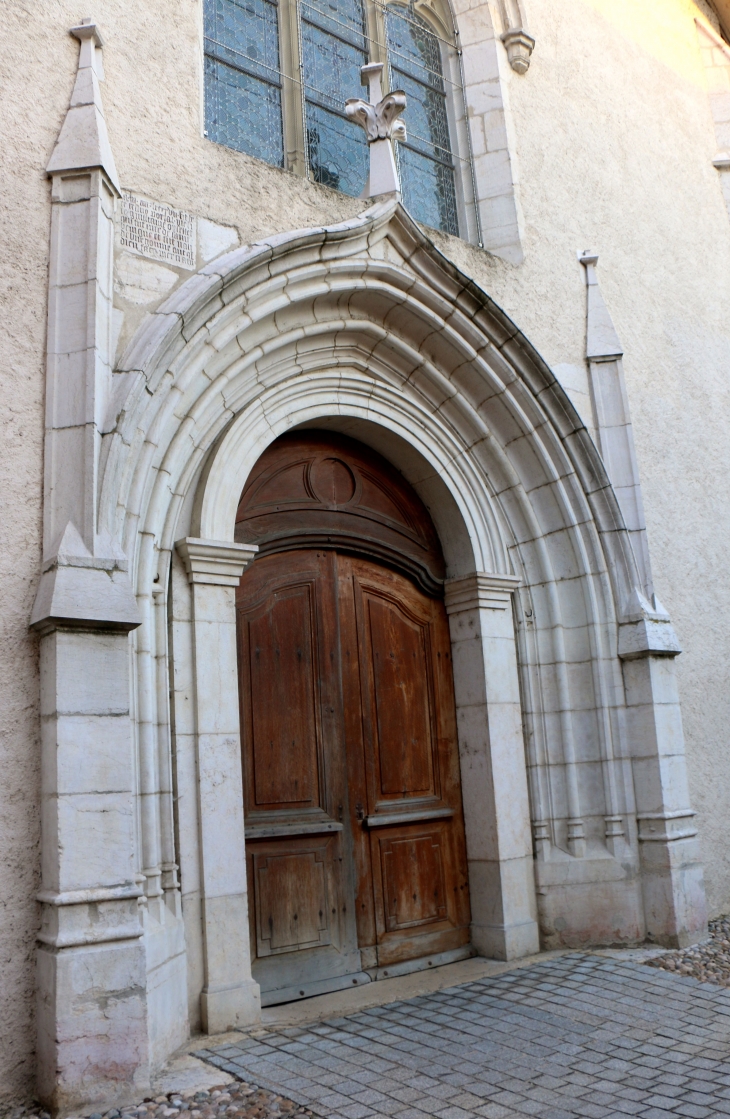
{"points": [[234, 1101], [709, 962]]}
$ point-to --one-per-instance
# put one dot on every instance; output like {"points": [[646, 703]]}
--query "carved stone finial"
{"points": [[378, 117], [83, 142]]}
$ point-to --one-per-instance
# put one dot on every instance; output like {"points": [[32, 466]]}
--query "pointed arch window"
{"points": [[278, 72], [334, 47], [243, 103], [426, 161]]}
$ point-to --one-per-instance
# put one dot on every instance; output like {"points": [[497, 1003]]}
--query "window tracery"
{"points": [[278, 73], [426, 164], [243, 103]]}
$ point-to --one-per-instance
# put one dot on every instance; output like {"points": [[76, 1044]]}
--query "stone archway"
{"points": [[368, 328]]}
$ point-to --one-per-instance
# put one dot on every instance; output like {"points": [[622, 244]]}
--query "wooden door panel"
{"points": [[283, 702], [410, 819], [290, 697], [301, 892], [295, 895], [402, 706], [413, 880]]}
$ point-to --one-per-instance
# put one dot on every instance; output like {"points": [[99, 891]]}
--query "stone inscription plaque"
{"points": [[157, 231]]}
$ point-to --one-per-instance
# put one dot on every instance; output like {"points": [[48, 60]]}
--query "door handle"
{"points": [[359, 813]]}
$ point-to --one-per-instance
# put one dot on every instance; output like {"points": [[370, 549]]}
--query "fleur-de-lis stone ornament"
{"points": [[379, 119]]}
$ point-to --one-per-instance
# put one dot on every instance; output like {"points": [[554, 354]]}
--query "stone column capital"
{"points": [[481, 590], [218, 563]]}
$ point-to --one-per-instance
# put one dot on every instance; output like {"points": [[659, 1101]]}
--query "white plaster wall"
{"points": [[614, 139]]}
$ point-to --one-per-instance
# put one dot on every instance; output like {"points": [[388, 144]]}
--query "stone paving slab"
{"points": [[572, 1037]]}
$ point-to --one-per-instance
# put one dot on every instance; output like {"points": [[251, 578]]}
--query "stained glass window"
{"points": [[426, 162], [242, 77], [256, 106], [334, 47]]}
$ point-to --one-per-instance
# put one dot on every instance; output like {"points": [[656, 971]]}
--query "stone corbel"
{"points": [[378, 117], [518, 43]]}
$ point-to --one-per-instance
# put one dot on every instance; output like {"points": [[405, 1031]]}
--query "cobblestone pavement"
{"points": [[573, 1037], [709, 961], [234, 1101]]}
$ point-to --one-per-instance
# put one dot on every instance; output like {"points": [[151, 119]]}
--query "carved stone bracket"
{"points": [[518, 43]]}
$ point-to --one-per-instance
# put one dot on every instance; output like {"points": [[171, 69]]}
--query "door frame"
{"points": [[205, 573]]}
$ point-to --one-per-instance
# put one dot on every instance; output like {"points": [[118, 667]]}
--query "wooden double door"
{"points": [[354, 827]]}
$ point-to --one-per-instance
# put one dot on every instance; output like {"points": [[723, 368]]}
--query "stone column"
{"points": [[230, 996], [671, 873], [493, 768], [92, 1015], [92, 1012]]}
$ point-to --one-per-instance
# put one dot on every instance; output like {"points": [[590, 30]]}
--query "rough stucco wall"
{"points": [[614, 147], [24, 226], [614, 143]]}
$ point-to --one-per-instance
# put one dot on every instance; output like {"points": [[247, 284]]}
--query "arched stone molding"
{"points": [[367, 327]]}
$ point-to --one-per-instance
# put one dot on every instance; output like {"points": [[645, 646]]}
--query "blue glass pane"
{"points": [[338, 151], [243, 112], [245, 34], [413, 47], [340, 17], [331, 68], [242, 77], [333, 50], [428, 190], [425, 161], [425, 116]]}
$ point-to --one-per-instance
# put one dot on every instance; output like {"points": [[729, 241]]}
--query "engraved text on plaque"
{"points": [[158, 231]]}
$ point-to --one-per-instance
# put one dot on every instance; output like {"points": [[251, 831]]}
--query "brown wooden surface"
{"points": [[352, 799], [319, 489], [398, 695]]}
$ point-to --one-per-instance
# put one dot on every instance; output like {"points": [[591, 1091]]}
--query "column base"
{"points": [[504, 912], [506, 942], [674, 893], [231, 1008], [92, 1026]]}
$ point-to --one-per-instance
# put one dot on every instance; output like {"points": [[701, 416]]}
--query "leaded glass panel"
{"points": [[425, 160], [333, 50], [242, 77]]}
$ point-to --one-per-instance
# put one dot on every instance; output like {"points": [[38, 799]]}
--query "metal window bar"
{"points": [[249, 70], [391, 54]]}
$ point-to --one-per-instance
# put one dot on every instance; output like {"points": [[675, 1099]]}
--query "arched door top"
{"points": [[314, 489]]}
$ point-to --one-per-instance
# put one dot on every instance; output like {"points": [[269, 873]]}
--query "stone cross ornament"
{"points": [[379, 119]]}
